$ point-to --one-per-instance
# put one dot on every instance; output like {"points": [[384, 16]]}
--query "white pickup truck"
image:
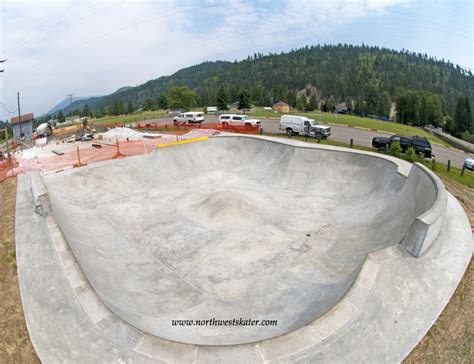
{"points": [[237, 119], [293, 124]]}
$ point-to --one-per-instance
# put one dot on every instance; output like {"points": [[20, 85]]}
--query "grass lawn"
{"points": [[141, 116], [356, 121], [440, 169]]}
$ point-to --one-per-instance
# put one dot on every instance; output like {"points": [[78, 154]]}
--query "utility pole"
{"points": [[6, 139], [70, 107], [19, 120]]}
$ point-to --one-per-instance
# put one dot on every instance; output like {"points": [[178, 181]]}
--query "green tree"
{"points": [[461, 117], [181, 98], [359, 108], [313, 103], [330, 104], [222, 98], [130, 107], [291, 98], [162, 101], [244, 99], [85, 111], [98, 113], [470, 117], [384, 104], [61, 118], [434, 109], [119, 107], [371, 98], [408, 106], [301, 103], [280, 93], [148, 105]]}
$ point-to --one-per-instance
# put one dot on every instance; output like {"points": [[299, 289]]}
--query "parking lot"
{"points": [[343, 134]]}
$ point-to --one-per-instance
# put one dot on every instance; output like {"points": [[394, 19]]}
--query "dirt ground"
{"points": [[450, 340]]}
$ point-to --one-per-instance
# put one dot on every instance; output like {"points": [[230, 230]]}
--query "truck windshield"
{"points": [[313, 122]]}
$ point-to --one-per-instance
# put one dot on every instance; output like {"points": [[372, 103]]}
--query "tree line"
{"points": [[365, 79]]}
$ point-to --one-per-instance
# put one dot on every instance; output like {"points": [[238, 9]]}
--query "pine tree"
{"points": [[222, 98], [461, 116], [301, 103], [162, 101], [148, 103], [61, 118], [85, 111], [384, 104], [130, 108], [244, 99], [313, 103], [470, 117]]}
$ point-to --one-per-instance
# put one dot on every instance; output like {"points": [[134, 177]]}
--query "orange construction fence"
{"points": [[67, 155], [184, 127]]}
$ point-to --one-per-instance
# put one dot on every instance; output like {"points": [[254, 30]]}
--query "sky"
{"points": [[87, 48]]}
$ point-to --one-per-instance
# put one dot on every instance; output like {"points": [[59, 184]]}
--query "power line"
{"points": [[70, 104], [8, 111], [77, 20], [425, 24], [20, 42], [121, 29]]}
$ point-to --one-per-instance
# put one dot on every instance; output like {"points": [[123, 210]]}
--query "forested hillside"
{"points": [[343, 73]]}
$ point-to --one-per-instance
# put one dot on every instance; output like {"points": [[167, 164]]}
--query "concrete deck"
{"points": [[238, 227]]}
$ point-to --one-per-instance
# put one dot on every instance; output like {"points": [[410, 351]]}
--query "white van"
{"points": [[293, 124], [237, 119], [212, 110], [189, 117]]}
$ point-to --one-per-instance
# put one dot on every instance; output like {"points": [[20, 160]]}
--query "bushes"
{"points": [[468, 137], [410, 155], [420, 158], [395, 150]]}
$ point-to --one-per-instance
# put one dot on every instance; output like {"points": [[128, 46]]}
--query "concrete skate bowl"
{"points": [[234, 227]]}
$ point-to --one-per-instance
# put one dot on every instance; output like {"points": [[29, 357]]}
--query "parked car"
{"points": [[189, 117], [293, 124], [237, 119], [420, 144], [469, 163]]}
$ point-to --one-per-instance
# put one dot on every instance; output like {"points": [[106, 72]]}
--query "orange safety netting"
{"points": [[78, 155], [184, 127]]}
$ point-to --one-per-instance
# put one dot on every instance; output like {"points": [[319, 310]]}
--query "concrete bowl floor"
{"points": [[231, 228]]}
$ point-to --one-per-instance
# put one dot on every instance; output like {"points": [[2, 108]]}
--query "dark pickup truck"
{"points": [[420, 144]]}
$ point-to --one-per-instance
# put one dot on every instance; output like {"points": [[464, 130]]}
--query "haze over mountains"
{"points": [[338, 71]]}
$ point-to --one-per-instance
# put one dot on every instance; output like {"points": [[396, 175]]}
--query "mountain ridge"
{"points": [[338, 71]]}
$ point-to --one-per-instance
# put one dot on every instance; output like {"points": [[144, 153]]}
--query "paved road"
{"points": [[344, 134]]}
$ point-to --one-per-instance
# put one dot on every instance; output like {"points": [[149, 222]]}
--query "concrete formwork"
{"points": [[249, 227]]}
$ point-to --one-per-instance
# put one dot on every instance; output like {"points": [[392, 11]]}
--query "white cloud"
{"points": [[98, 46]]}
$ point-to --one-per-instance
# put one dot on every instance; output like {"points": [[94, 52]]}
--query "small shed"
{"points": [[281, 107], [22, 126]]}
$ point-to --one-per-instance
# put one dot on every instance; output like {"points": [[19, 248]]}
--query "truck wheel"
{"points": [[289, 132]]}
